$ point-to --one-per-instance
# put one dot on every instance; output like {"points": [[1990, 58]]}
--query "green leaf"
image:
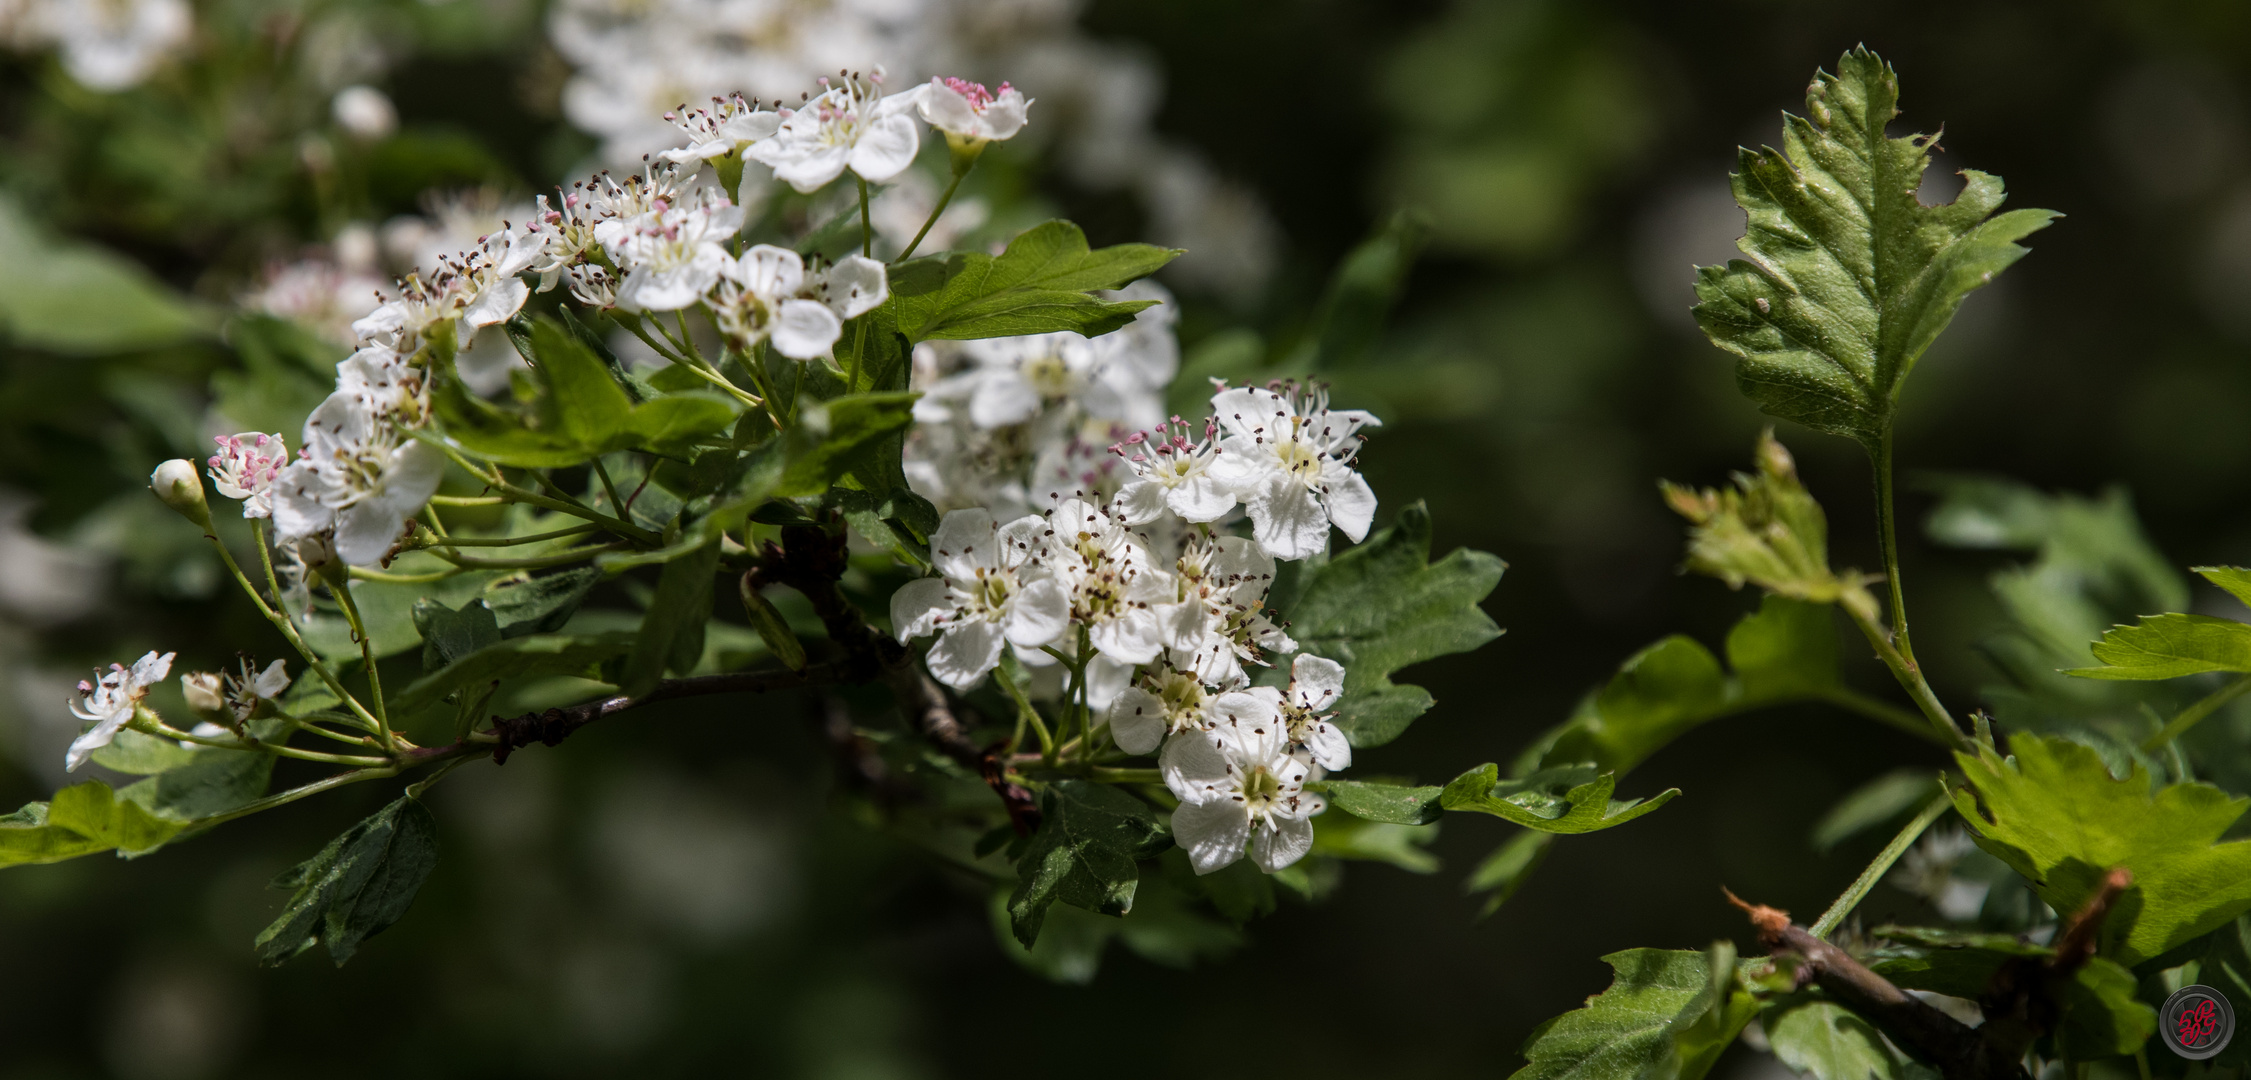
{"points": [[214, 782], [535, 654], [1571, 799], [772, 628], [2235, 579], [1383, 802], [2101, 1015], [448, 635], [81, 820], [835, 437], [1363, 289], [2055, 815], [1820, 1038], [1883, 799], [1849, 277], [539, 605], [67, 296], [1784, 651], [136, 754], [672, 631], [1667, 1016], [1382, 606], [582, 411], [1340, 836], [358, 885], [1039, 285], [1086, 854], [1768, 531], [2170, 646]]}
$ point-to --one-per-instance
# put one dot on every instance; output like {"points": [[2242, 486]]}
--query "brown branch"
{"points": [[1960, 1051], [554, 725], [2025, 999]]}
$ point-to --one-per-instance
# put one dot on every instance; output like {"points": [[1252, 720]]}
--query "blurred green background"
{"points": [[685, 893]]}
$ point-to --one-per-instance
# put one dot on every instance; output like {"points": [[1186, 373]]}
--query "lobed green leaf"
{"points": [[1086, 853], [1039, 284], [2170, 646], [1667, 1015], [81, 820], [1570, 799], [356, 887]]}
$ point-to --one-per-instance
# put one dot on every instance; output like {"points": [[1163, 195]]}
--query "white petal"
{"points": [[1282, 843], [857, 285], [1020, 538], [1195, 768], [1329, 746], [1105, 680], [151, 668], [272, 681], [1005, 116], [1246, 411], [1288, 521], [917, 607], [1200, 499], [1212, 833], [805, 330], [1039, 614], [769, 272], [1141, 502], [807, 171], [1351, 504], [946, 109], [94, 739], [1003, 398], [366, 529], [1137, 721], [1316, 681], [298, 512], [885, 149], [965, 653], [498, 303], [1130, 638], [965, 543], [1256, 707]]}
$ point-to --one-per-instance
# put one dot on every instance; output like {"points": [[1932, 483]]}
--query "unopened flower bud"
{"points": [[204, 691], [177, 484]]}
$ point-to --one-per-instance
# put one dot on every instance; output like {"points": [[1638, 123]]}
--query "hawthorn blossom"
{"points": [[402, 322], [990, 590], [673, 254], [111, 701], [850, 125], [114, 44], [1163, 701], [245, 467], [729, 125], [1237, 782], [324, 296], [1172, 473], [1288, 457], [358, 478], [1217, 621], [969, 114], [237, 693], [1011, 380], [1112, 582], [768, 294], [494, 292], [1316, 683]]}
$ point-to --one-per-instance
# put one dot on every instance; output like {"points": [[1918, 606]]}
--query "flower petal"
{"points": [[1288, 521], [1195, 767], [1039, 614], [856, 285], [918, 606], [885, 149], [1137, 721], [805, 330], [965, 653], [1129, 638], [1352, 505], [1212, 833], [1284, 841], [965, 543], [1316, 681]]}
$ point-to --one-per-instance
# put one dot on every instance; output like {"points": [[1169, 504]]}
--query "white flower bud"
{"points": [[204, 692], [176, 483]]}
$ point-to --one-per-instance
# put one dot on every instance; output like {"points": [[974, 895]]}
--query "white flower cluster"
{"points": [[633, 59], [1138, 566], [658, 241], [105, 44]]}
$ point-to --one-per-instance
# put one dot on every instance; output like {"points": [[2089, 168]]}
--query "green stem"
{"points": [[1102, 775], [1876, 870], [329, 783], [560, 558], [509, 541], [943, 199], [867, 234], [361, 573], [281, 620], [255, 746], [467, 500], [1910, 677], [1887, 529], [1026, 715], [2189, 717], [617, 505], [342, 590], [1883, 713]]}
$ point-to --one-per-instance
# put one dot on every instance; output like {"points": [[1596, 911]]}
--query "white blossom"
{"points": [[1173, 473], [326, 297], [1237, 782], [358, 477], [237, 692], [990, 591], [1316, 683], [729, 125], [1110, 579], [1011, 380], [850, 125], [245, 467], [114, 44], [674, 253], [110, 702], [1288, 457], [970, 114], [769, 295], [1217, 620], [1168, 701]]}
